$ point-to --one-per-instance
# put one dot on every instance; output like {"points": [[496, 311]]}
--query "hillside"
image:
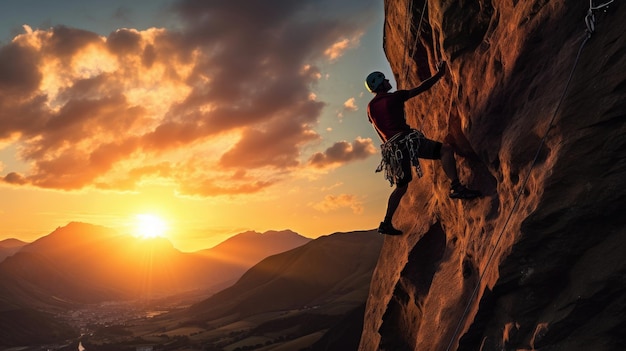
{"points": [[314, 274], [244, 250], [537, 263]]}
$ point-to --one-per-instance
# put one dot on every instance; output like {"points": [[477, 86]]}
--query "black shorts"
{"points": [[428, 149]]}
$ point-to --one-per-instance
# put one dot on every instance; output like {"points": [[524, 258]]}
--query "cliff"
{"points": [[535, 108]]}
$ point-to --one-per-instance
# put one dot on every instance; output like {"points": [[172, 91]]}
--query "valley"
{"points": [[126, 326], [89, 319]]}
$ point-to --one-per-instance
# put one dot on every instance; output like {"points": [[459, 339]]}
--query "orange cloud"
{"points": [[209, 188], [338, 48], [343, 152], [334, 202], [110, 112], [350, 105]]}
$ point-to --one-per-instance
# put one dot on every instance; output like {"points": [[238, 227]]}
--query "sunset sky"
{"points": [[215, 116]]}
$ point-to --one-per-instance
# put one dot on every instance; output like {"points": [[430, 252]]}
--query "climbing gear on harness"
{"points": [[395, 149], [388, 229], [374, 80]]}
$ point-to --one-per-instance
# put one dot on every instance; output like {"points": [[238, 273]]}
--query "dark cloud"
{"points": [[278, 146], [65, 42], [14, 178], [125, 42], [343, 152], [21, 105], [85, 121], [19, 74]]}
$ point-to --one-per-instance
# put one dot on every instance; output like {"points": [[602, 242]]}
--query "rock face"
{"points": [[538, 262]]}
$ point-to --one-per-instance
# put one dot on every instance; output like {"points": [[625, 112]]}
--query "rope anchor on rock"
{"points": [[590, 19]]}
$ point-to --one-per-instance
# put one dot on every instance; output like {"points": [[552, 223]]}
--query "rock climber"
{"points": [[403, 146]]}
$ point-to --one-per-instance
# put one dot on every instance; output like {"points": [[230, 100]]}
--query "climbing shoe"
{"points": [[458, 191], [388, 229]]}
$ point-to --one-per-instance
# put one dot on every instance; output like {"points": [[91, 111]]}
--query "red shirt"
{"points": [[386, 112]]}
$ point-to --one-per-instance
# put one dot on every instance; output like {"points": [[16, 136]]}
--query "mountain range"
{"points": [[96, 263]]}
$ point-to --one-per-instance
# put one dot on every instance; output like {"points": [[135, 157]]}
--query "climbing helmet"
{"points": [[374, 80]]}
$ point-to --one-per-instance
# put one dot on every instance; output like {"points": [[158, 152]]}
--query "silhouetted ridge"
{"points": [[314, 274]]}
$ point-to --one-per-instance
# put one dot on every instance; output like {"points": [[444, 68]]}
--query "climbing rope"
{"points": [[590, 21], [405, 65], [407, 30]]}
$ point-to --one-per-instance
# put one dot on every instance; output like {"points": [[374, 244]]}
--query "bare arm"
{"points": [[428, 83]]}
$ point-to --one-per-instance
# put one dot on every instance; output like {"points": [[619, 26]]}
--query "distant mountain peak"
{"points": [[8, 247], [253, 238], [11, 243]]}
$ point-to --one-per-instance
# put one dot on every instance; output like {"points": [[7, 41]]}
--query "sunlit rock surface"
{"points": [[542, 271]]}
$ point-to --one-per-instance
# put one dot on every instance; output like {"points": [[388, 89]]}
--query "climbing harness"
{"points": [[395, 150], [590, 21]]}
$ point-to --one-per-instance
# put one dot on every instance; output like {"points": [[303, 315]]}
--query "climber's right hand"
{"points": [[441, 67]]}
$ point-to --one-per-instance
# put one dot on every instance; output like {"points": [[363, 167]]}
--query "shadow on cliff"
{"points": [[482, 176], [411, 289]]}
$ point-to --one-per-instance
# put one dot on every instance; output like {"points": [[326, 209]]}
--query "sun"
{"points": [[149, 226]]}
